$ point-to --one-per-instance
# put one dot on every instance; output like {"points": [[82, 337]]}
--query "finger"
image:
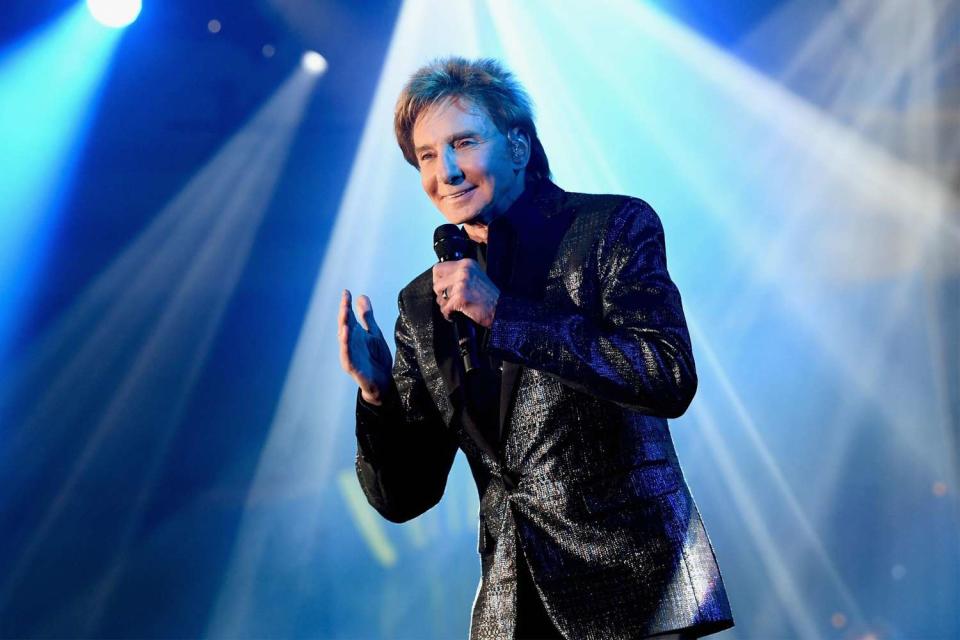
{"points": [[363, 304], [448, 307], [445, 299], [442, 272], [344, 339], [343, 312], [351, 320], [443, 268], [345, 363], [365, 309], [438, 278]]}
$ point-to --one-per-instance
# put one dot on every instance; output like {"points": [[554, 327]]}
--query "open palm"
{"points": [[364, 353]]}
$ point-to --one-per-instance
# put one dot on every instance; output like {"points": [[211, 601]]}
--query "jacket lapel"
{"points": [[451, 371], [446, 355]]}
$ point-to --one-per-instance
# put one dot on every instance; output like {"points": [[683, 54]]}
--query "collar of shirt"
{"points": [[520, 243]]}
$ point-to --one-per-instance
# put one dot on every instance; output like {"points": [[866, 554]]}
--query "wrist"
{"points": [[488, 320], [502, 328], [371, 397]]}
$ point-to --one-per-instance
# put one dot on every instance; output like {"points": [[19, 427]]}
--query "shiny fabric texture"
{"points": [[583, 480]]}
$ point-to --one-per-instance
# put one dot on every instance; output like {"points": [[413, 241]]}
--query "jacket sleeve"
{"points": [[635, 350], [404, 449]]}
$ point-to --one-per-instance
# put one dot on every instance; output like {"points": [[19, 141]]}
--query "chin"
{"points": [[478, 216], [460, 216]]}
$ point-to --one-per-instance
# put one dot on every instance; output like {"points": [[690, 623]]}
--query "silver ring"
{"points": [[445, 296]]}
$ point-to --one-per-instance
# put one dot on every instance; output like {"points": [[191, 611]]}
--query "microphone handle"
{"points": [[465, 333], [464, 330]]}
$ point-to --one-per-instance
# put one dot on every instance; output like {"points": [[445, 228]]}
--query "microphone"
{"points": [[451, 243]]}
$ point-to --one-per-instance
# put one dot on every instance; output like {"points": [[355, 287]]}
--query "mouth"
{"points": [[459, 194]]}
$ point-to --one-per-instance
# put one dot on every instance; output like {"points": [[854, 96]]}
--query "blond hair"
{"points": [[487, 85]]}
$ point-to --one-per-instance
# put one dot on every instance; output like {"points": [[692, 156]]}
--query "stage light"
{"points": [[115, 13], [193, 252], [50, 84], [214, 26], [313, 62]]}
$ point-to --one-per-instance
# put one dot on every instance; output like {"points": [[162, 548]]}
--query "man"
{"points": [[587, 528]]}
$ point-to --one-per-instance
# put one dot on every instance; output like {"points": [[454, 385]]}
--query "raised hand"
{"points": [[364, 353]]}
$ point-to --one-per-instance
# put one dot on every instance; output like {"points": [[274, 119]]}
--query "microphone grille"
{"points": [[446, 231], [450, 242]]}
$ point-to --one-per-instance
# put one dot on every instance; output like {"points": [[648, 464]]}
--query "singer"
{"points": [[580, 353]]}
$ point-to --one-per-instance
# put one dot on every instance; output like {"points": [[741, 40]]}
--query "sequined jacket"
{"points": [[585, 481]]}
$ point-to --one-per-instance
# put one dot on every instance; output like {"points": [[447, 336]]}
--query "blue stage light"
{"points": [[50, 83], [115, 13]]}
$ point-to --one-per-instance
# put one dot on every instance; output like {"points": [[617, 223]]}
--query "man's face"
{"points": [[466, 167]]}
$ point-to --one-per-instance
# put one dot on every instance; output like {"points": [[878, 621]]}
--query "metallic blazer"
{"points": [[585, 481]]}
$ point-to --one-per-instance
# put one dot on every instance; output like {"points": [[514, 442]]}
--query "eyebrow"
{"points": [[451, 138]]}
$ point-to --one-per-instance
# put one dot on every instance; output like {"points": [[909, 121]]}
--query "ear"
{"points": [[518, 146]]}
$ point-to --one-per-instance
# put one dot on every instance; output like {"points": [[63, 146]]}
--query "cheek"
{"points": [[476, 171], [427, 183]]}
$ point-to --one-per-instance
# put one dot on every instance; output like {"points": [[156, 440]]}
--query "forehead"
{"points": [[450, 116]]}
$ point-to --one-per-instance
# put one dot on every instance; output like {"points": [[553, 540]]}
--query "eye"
{"points": [[428, 155], [464, 143]]}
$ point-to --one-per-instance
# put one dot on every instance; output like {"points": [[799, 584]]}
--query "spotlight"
{"points": [[114, 13], [313, 62], [214, 26]]}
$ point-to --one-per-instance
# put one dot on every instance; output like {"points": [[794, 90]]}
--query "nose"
{"points": [[448, 170]]}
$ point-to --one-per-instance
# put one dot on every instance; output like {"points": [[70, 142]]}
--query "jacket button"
{"points": [[510, 479]]}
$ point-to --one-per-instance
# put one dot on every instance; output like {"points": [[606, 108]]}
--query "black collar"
{"points": [[523, 240]]}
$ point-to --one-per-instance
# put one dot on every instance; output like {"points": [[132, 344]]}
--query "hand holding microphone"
{"points": [[464, 292]]}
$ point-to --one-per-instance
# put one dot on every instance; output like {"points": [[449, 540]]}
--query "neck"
{"points": [[516, 191], [477, 228]]}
